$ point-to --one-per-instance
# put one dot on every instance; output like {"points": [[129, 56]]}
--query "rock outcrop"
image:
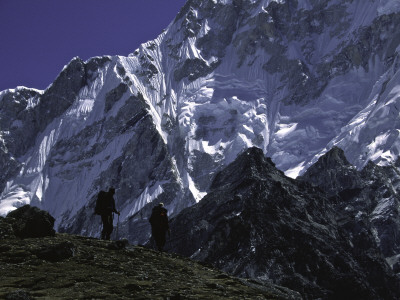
{"points": [[258, 223], [367, 199], [29, 221]]}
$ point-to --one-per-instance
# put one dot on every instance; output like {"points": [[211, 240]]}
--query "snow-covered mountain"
{"points": [[294, 78]]}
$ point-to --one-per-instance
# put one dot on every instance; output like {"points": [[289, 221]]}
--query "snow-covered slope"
{"points": [[293, 78]]}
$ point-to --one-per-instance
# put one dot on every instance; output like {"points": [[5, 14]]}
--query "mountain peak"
{"points": [[333, 171], [251, 163], [260, 224], [333, 158]]}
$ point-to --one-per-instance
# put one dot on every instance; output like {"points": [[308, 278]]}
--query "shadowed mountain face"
{"points": [[258, 223], [370, 196]]}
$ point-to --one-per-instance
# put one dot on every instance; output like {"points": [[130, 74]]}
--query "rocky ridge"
{"points": [[369, 196], [258, 223]]}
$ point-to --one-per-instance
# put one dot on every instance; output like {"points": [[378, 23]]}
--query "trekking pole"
{"points": [[117, 228]]}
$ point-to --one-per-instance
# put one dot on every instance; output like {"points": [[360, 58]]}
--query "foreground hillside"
{"points": [[75, 267]]}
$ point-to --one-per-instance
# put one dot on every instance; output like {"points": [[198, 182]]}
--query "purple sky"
{"points": [[39, 37]]}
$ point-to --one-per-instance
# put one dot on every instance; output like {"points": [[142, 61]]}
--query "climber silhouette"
{"points": [[105, 207], [159, 225]]}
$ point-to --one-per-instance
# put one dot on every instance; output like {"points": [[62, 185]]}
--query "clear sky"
{"points": [[39, 37]]}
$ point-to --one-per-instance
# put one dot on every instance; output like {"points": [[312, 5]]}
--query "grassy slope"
{"points": [[97, 272]]}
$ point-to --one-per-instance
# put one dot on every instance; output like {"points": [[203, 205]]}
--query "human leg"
{"points": [[107, 226]]}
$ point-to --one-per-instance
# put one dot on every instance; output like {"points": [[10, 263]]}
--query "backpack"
{"points": [[159, 218], [101, 203]]}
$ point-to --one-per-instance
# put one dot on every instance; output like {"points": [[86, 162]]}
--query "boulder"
{"points": [[57, 252], [28, 221]]}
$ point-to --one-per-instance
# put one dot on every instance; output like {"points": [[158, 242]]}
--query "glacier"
{"points": [[294, 78]]}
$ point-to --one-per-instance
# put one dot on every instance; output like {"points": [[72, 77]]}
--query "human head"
{"points": [[161, 204]]}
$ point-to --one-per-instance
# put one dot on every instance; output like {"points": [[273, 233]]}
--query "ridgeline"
{"points": [[63, 266]]}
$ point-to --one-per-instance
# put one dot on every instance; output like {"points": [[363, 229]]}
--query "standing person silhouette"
{"points": [[105, 207], [159, 225]]}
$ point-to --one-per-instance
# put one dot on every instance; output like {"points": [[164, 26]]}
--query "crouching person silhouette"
{"points": [[159, 225], [105, 207]]}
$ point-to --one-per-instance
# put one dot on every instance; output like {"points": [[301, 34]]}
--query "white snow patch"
{"points": [[17, 198], [195, 192], [285, 129], [205, 28], [382, 208], [147, 196], [387, 7], [294, 172], [374, 147], [359, 215], [83, 107]]}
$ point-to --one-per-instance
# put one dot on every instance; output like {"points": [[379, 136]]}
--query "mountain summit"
{"points": [[294, 78], [257, 223]]}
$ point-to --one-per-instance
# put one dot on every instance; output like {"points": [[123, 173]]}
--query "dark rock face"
{"points": [[193, 69], [16, 107], [55, 100], [114, 95], [334, 172], [214, 42], [258, 223], [368, 198], [10, 165], [28, 221]]}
